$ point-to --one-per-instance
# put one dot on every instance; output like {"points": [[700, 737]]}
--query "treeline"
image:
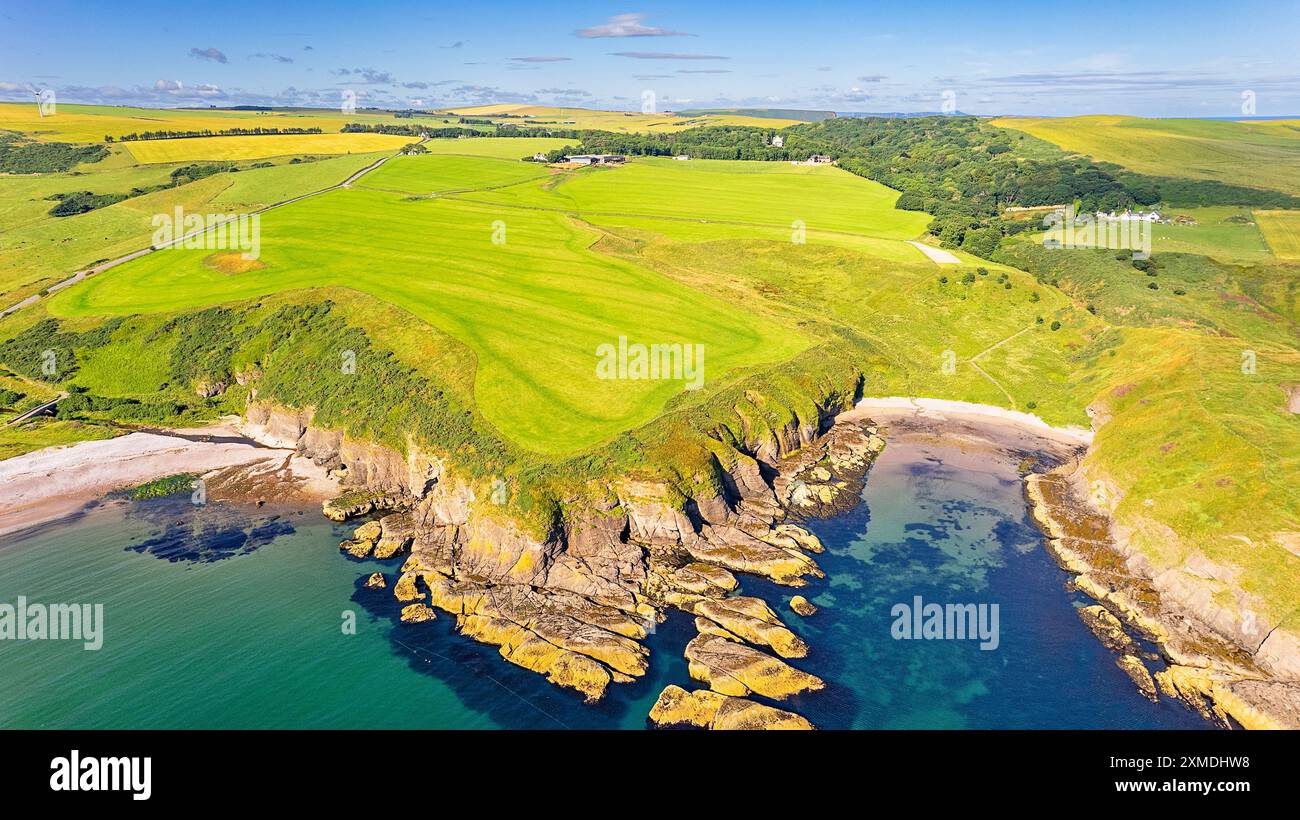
{"points": [[417, 130], [705, 142], [20, 156], [964, 172], [72, 203], [205, 132]]}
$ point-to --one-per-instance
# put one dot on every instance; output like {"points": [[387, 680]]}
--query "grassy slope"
{"points": [[533, 310], [37, 250], [1281, 230], [1259, 155]]}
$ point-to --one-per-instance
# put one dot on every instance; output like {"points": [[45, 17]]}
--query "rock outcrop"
{"points": [[573, 603], [704, 709], [1209, 656], [732, 668], [802, 606]]}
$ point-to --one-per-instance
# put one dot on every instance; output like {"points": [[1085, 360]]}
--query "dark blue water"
{"points": [[225, 617]]}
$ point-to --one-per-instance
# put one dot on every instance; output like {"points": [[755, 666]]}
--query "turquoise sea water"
{"points": [[228, 617]]}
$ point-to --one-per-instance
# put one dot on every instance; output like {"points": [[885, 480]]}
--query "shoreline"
{"points": [[1202, 666], [45, 486], [1213, 675]]}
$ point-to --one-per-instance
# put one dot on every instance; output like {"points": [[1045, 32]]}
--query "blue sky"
{"points": [[1151, 58]]}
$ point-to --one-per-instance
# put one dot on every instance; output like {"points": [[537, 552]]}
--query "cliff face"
{"points": [[1246, 668], [574, 604]]}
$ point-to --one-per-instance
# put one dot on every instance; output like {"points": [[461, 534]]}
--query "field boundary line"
{"points": [[112, 263]]}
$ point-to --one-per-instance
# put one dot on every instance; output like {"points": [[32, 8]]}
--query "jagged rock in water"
{"points": [[753, 621], [376, 581], [357, 549], [396, 532], [706, 627], [1135, 669], [573, 641], [417, 613], [1106, 627], [739, 551], [405, 589], [710, 710], [684, 586], [354, 503], [732, 668], [802, 606], [368, 531]]}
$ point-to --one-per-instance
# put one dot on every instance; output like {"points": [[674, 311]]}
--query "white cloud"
{"points": [[627, 25]]}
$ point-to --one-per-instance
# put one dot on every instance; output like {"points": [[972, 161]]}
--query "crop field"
{"points": [[1259, 155], [615, 120], [91, 123], [260, 147], [1282, 232]]}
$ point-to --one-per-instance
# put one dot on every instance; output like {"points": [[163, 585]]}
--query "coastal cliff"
{"points": [[1215, 663], [574, 602]]}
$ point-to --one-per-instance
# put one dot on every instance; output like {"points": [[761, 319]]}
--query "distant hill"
{"points": [[767, 113]]}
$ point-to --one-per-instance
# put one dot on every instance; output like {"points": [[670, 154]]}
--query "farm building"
{"points": [[778, 141], [596, 159], [682, 157]]}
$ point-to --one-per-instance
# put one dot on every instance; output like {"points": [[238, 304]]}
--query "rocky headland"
{"points": [[575, 605]]}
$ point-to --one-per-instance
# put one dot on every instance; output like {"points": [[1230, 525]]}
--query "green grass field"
{"points": [[1282, 232], [1258, 155], [37, 250], [765, 195], [533, 310]]}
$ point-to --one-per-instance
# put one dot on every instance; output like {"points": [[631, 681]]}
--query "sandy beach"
{"points": [[954, 415], [49, 484]]}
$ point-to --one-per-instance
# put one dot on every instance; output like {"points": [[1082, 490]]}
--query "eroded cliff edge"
{"points": [[1221, 669], [574, 600]]}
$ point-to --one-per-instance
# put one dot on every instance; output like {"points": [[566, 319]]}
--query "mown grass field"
{"points": [[769, 194], [207, 149], [1281, 230], [1258, 155], [533, 310]]}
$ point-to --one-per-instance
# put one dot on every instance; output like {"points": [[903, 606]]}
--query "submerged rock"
{"points": [[710, 710]]}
